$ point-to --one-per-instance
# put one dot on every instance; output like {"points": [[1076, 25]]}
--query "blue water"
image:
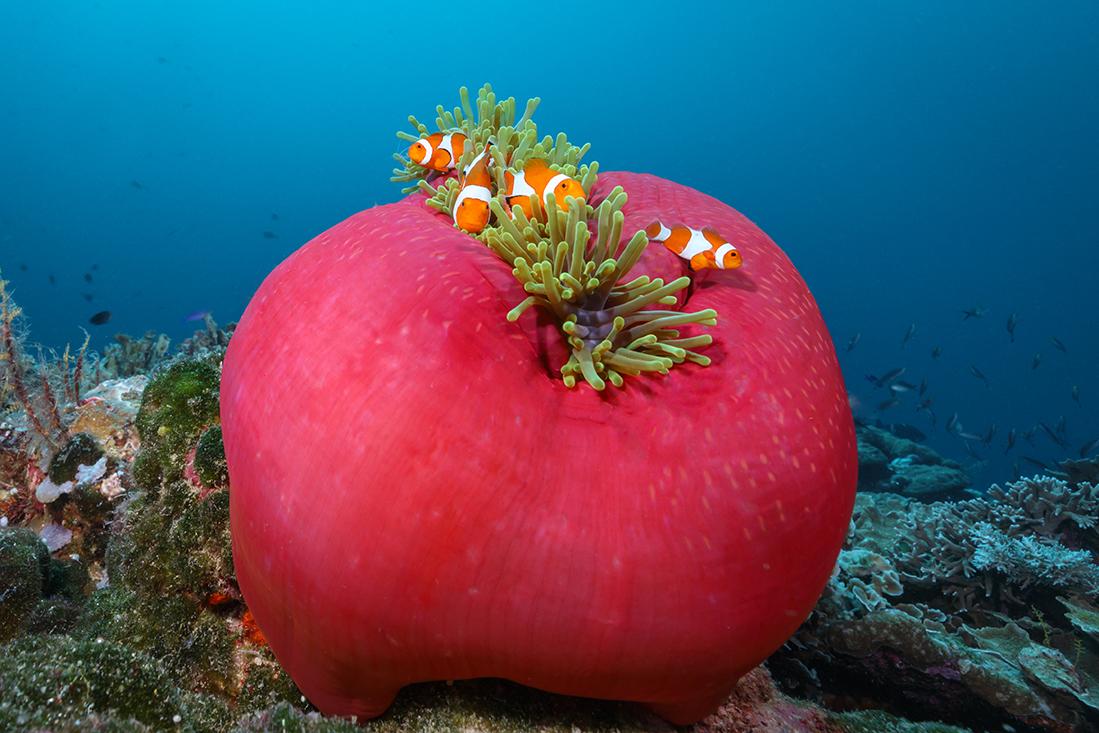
{"points": [[913, 159]]}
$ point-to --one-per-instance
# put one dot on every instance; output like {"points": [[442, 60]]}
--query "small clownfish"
{"points": [[471, 210], [438, 152], [538, 179], [704, 248]]}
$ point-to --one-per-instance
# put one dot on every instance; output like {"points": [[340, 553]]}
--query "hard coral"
{"points": [[970, 627]]}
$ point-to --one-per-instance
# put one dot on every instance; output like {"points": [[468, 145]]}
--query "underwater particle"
{"points": [[98, 319], [485, 438]]}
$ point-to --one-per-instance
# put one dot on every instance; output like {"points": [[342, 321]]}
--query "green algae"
{"points": [[24, 565], [67, 578], [54, 616], [51, 680], [178, 404], [81, 450], [210, 464]]}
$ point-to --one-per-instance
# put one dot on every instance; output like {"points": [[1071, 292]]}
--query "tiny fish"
{"points": [[87, 277], [88, 297], [925, 404], [908, 335], [923, 386], [94, 267], [1058, 344], [195, 316], [1010, 440], [1062, 425], [853, 342], [22, 266], [1036, 462], [98, 319], [989, 434], [274, 217], [703, 248], [889, 376], [972, 453], [268, 234], [892, 402], [1012, 321], [1015, 473], [1089, 447], [902, 386], [1052, 435], [1035, 362], [1076, 393], [979, 374], [976, 312], [967, 436], [52, 279], [137, 185], [936, 352], [952, 423]]}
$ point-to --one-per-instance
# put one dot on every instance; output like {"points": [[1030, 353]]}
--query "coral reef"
{"points": [[981, 610], [162, 640], [888, 463]]}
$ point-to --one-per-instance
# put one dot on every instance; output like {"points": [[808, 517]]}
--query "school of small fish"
{"points": [[896, 387]]}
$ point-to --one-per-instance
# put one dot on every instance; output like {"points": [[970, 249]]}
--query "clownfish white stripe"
{"points": [[664, 233], [478, 193], [475, 161], [696, 244], [551, 184], [448, 145], [520, 187], [719, 254], [429, 151]]}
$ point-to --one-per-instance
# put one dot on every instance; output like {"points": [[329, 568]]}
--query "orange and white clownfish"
{"points": [[703, 248], [438, 152], [538, 179], [471, 210]]}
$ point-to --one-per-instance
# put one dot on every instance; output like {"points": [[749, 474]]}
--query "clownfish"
{"points": [[438, 152], [704, 248], [471, 210], [538, 179]]}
